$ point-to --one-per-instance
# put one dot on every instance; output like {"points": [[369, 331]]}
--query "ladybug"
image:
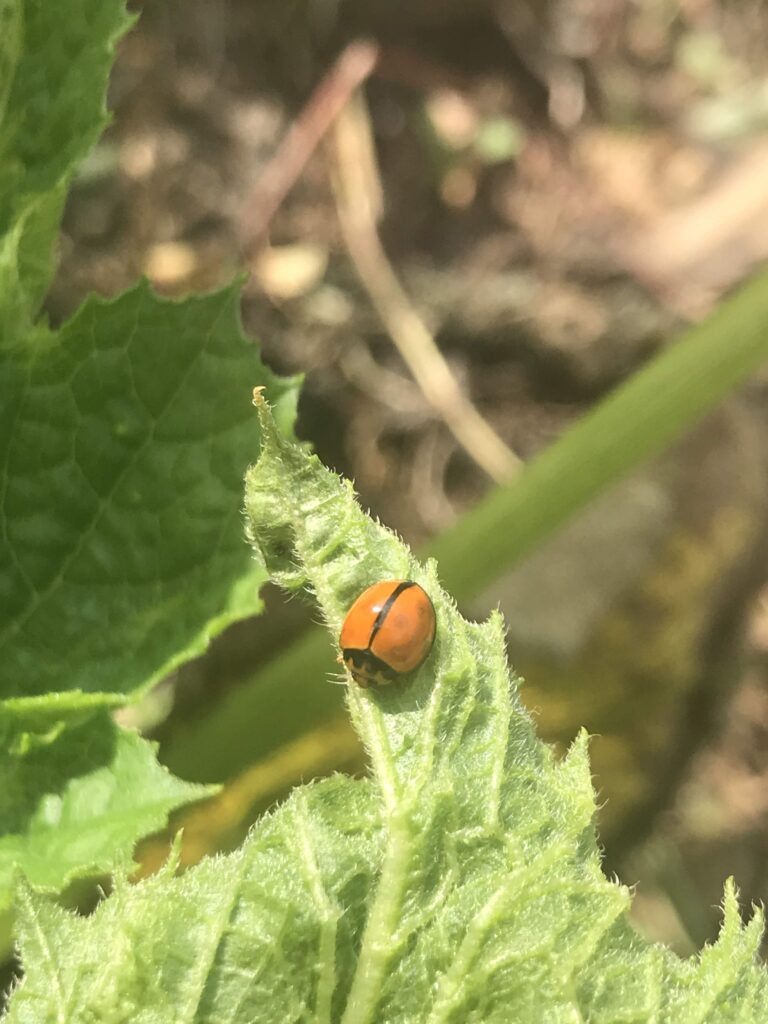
{"points": [[388, 631]]}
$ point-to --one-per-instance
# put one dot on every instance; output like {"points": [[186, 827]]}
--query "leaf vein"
{"points": [[328, 910]]}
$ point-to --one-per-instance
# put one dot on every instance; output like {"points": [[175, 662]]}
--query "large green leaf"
{"points": [[73, 803], [54, 62], [124, 440], [10, 47], [461, 885], [123, 436]]}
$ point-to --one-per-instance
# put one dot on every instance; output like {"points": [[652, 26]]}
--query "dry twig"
{"points": [[358, 199], [352, 67]]}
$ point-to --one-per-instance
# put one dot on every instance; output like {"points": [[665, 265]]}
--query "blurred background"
{"points": [[466, 221]]}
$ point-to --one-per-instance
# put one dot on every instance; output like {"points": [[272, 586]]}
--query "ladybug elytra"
{"points": [[388, 631]]}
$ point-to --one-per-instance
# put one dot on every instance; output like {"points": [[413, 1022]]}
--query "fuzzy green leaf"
{"points": [[638, 419], [124, 437], [461, 885], [74, 802], [54, 63], [266, 934]]}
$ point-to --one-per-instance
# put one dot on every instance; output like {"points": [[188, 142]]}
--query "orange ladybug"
{"points": [[388, 631]]}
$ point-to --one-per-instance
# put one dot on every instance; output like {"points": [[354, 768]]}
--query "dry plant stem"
{"points": [[351, 68], [358, 200]]}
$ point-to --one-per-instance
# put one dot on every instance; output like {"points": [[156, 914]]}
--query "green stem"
{"points": [[636, 421]]}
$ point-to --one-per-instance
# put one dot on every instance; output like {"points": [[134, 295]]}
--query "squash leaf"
{"points": [[461, 883]]}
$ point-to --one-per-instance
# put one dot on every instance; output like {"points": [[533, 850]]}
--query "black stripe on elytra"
{"points": [[385, 609]]}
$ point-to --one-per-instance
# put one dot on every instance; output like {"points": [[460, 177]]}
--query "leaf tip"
{"points": [[171, 864], [269, 431]]}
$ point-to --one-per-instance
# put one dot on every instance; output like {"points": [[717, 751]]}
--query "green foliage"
{"points": [[461, 884], [249, 937], [54, 62], [125, 450], [124, 436], [10, 46], [74, 801]]}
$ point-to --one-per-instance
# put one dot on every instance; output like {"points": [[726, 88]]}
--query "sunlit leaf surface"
{"points": [[462, 883]]}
